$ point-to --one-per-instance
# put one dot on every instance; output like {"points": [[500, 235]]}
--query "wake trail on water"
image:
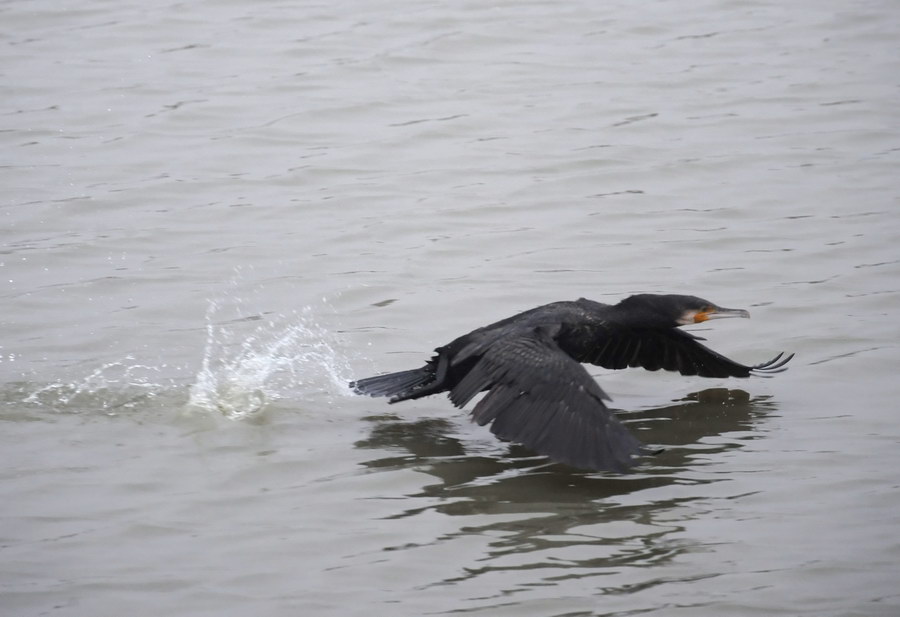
{"points": [[112, 388], [248, 363]]}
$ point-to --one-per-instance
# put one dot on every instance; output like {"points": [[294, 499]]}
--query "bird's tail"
{"points": [[394, 384]]}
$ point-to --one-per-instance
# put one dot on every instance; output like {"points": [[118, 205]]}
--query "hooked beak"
{"points": [[720, 313]]}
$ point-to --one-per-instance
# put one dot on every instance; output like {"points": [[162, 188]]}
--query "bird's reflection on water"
{"points": [[429, 445], [561, 507]]}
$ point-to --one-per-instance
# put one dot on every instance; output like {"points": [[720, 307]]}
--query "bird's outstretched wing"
{"points": [[675, 350], [545, 400]]}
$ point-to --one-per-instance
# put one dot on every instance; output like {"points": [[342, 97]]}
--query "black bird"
{"points": [[539, 395]]}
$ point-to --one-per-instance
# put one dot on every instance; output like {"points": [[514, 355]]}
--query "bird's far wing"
{"points": [[674, 350], [545, 400]]}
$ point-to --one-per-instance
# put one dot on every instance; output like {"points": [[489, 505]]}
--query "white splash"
{"points": [[244, 372]]}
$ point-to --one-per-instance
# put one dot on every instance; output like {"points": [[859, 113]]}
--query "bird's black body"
{"points": [[539, 395]]}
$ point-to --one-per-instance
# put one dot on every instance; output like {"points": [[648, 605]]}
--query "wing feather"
{"points": [[674, 350], [545, 400]]}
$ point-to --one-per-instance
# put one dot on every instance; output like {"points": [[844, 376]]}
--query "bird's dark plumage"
{"points": [[539, 394]]}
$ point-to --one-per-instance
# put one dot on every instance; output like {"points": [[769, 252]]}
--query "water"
{"points": [[214, 214], [242, 374]]}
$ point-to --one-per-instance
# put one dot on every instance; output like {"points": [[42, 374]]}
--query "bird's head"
{"points": [[676, 310]]}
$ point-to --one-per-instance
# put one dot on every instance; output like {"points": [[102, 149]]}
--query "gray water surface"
{"points": [[216, 213]]}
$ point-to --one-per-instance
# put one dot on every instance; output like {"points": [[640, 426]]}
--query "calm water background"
{"points": [[214, 213]]}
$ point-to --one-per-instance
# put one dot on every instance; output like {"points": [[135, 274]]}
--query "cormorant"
{"points": [[539, 395]]}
